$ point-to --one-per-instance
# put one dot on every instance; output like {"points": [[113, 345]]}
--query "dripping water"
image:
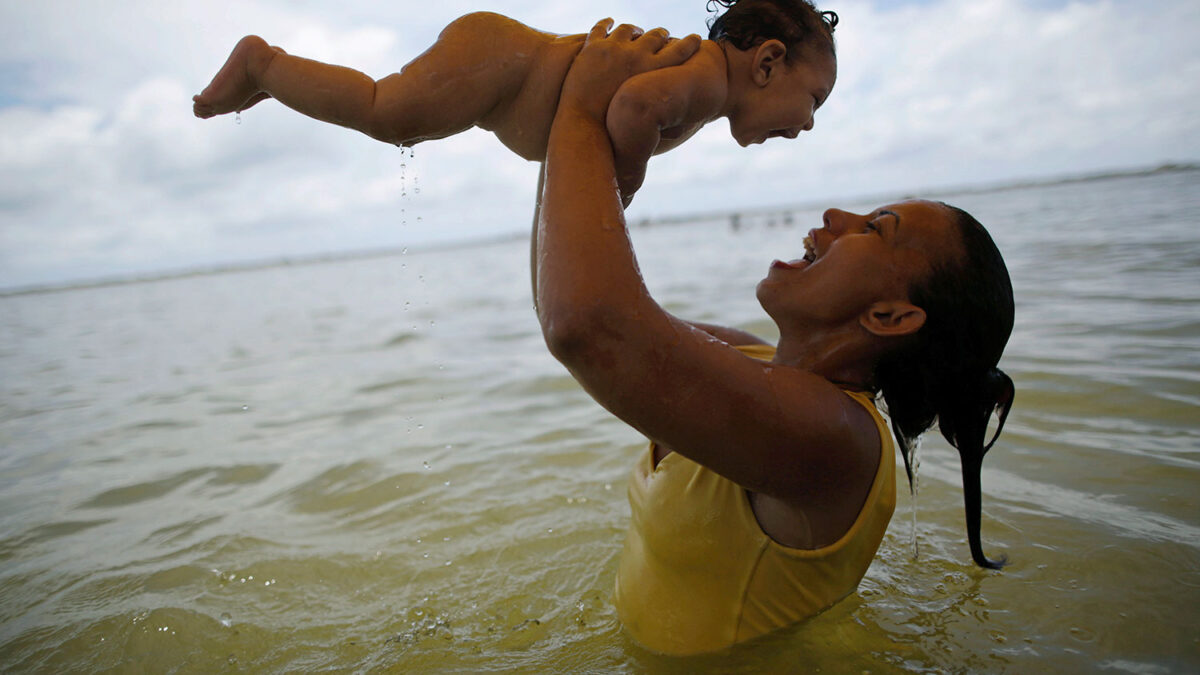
{"points": [[914, 459]]}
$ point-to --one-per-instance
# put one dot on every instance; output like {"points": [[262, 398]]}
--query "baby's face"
{"points": [[786, 104]]}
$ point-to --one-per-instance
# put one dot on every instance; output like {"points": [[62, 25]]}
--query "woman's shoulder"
{"points": [[735, 337]]}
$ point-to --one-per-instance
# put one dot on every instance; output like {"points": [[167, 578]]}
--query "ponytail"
{"points": [[964, 425]]}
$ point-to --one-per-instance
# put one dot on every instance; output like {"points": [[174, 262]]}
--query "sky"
{"points": [[105, 172]]}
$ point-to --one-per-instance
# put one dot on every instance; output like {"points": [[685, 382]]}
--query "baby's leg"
{"points": [[469, 75], [255, 71], [447, 89]]}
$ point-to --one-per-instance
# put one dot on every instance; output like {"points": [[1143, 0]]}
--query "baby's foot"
{"points": [[235, 87]]}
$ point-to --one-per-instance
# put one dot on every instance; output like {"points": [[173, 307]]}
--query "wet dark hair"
{"points": [[947, 373], [795, 23]]}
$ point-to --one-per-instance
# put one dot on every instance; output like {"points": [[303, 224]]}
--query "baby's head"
{"points": [[786, 64]]}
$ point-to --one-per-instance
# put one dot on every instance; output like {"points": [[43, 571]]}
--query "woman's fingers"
{"points": [[678, 51], [653, 40], [613, 54], [600, 30], [657, 37], [626, 32]]}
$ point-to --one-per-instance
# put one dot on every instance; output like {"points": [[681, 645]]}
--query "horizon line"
{"points": [[671, 219]]}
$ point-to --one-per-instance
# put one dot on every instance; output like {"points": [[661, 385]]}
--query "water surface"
{"points": [[375, 465]]}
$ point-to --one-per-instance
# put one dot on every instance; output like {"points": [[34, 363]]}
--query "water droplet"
{"points": [[245, 407], [447, 483], [448, 563]]}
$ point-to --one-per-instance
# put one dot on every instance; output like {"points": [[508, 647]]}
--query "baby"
{"points": [[766, 67]]}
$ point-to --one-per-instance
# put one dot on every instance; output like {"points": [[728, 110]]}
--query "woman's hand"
{"points": [[608, 59]]}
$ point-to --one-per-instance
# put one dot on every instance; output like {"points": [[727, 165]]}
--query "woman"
{"points": [[768, 484]]}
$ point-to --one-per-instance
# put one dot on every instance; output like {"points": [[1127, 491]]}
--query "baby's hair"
{"points": [[795, 23]]}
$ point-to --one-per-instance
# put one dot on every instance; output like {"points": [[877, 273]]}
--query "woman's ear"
{"points": [[892, 319], [768, 60]]}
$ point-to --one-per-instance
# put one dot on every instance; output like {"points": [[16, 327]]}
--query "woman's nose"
{"points": [[835, 220]]}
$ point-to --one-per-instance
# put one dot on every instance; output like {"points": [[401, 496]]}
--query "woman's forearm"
{"points": [[584, 257], [587, 278]]}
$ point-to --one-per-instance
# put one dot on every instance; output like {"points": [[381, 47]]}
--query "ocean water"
{"points": [[374, 465]]}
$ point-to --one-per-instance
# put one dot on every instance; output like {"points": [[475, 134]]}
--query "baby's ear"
{"points": [[768, 60], [892, 319]]}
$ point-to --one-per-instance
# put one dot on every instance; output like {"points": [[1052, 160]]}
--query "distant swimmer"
{"points": [[767, 67]]}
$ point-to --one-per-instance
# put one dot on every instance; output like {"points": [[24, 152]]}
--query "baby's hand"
{"points": [[608, 59]]}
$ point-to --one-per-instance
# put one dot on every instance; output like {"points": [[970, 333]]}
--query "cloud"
{"points": [[952, 93], [103, 170]]}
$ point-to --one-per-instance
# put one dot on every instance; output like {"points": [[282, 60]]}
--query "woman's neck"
{"points": [[842, 356]]}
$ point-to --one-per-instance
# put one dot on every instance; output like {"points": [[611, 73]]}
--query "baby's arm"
{"points": [[655, 111]]}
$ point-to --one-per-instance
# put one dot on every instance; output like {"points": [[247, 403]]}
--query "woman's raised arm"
{"points": [[666, 378]]}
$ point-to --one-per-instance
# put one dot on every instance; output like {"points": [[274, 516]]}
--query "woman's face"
{"points": [[854, 261]]}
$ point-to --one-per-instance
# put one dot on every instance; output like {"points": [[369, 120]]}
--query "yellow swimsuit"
{"points": [[698, 573]]}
